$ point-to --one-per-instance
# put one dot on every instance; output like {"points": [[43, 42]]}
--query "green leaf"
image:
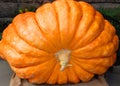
{"points": [[0, 35]]}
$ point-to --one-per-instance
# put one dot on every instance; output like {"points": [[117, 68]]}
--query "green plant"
{"points": [[23, 10], [0, 35], [112, 12]]}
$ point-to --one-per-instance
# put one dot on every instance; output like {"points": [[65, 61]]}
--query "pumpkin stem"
{"points": [[63, 57]]}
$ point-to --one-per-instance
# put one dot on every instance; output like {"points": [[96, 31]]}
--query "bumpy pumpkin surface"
{"points": [[62, 42]]}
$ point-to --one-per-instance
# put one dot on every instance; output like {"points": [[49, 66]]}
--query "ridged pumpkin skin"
{"points": [[62, 42]]}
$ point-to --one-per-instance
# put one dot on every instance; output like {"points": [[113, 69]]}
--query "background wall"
{"points": [[37, 1], [9, 8]]}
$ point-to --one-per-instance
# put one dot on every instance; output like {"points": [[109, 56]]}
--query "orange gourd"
{"points": [[62, 42]]}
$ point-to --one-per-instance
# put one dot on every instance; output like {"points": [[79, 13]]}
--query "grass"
{"points": [[113, 15]]}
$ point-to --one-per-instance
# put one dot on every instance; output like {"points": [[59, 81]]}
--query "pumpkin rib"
{"points": [[21, 72], [96, 70], [42, 78], [76, 61], [56, 72], [25, 48], [72, 5], [27, 40], [72, 12], [51, 72], [95, 66], [12, 53], [74, 8], [46, 37], [62, 77], [89, 49], [54, 75], [46, 26], [103, 51], [91, 57], [89, 12], [72, 76], [53, 5], [83, 75], [64, 46], [62, 10], [11, 47], [93, 32], [108, 33]]}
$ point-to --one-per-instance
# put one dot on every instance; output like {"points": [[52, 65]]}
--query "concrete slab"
{"points": [[113, 78], [5, 73]]}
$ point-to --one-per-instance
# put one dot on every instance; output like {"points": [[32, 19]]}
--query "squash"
{"points": [[62, 42]]}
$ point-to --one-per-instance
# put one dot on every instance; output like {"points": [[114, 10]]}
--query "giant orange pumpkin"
{"points": [[62, 42]]}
